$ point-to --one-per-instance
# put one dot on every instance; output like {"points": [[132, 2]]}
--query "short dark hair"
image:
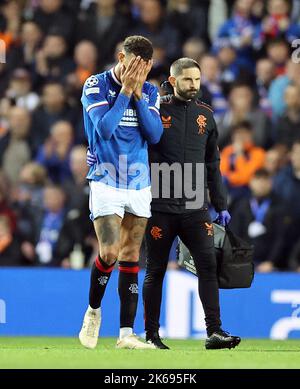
{"points": [[262, 173], [183, 63], [139, 45], [243, 124]]}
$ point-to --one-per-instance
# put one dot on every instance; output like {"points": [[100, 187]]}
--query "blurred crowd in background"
{"points": [[250, 76]]}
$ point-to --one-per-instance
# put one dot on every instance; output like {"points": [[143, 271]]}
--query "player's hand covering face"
{"points": [[134, 75], [143, 71], [129, 74]]}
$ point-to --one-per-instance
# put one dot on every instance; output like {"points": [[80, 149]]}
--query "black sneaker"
{"points": [[154, 338], [221, 339]]}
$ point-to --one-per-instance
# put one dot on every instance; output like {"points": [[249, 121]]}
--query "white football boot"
{"points": [[133, 342], [89, 333]]}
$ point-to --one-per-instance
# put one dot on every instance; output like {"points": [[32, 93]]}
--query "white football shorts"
{"points": [[106, 200]]}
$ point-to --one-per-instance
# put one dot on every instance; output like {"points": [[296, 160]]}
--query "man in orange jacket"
{"points": [[241, 159]]}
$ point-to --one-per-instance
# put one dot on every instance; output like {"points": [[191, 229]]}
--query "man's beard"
{"points": [[188, 94]]}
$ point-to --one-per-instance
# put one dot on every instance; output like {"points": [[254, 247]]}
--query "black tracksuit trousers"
{"points": [[195, 231]]}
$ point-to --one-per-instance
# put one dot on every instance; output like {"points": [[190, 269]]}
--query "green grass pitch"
{"points": [[21, 352]]}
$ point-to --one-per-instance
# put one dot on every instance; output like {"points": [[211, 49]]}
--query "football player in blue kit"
{"points": [[121, 117]]}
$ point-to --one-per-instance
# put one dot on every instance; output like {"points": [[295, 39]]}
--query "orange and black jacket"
{"points": [[240, 169], [190, 136]]}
